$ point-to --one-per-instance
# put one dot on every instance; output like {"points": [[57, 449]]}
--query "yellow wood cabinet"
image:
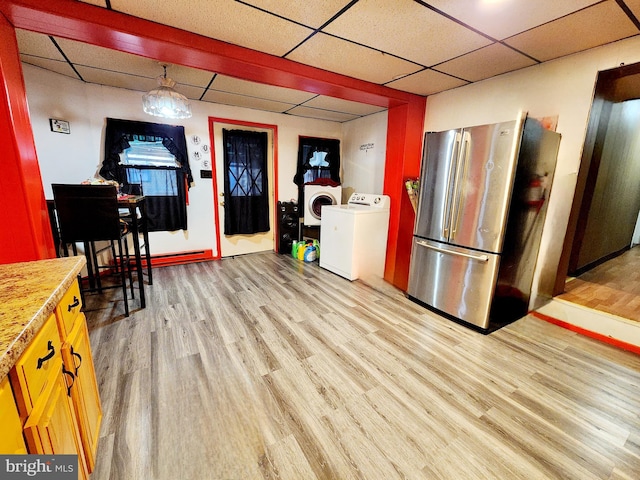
{"points": [[55, 389], [51, 427], [32, 372], [11, 440], [76, 354]]}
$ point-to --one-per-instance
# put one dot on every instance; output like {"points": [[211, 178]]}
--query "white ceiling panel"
{"points": [[57, 66], [258, 90], [311, 13], [504, 18], [37, 45], [225, 98], [427, 82], [588, 28], [105, 59], [225, 20], [344, 106], [407, 29], [485, 63], [336, 55], [322, 114], [634, 6], [98, 3]]}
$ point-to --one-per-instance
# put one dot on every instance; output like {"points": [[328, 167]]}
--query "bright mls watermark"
{"points": [[44, 467]]}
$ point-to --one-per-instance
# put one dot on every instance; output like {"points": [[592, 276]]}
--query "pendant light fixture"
{"points": [[164, 101]]}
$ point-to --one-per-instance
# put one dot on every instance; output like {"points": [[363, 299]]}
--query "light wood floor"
{"points": [[263, 367], [612, 287]]}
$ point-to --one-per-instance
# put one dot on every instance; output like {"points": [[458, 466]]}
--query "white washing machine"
{"points": [[353, 236], [315, 198]]}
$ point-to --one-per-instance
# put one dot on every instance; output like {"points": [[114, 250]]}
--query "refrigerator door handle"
{"points": [[453, 161], [479, 258], [458, 193]]}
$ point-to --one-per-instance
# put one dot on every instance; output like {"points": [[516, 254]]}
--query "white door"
{"points": [[231, 245]]}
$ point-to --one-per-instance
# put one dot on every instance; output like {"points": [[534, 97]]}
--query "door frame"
{"points": [[272, 208]]}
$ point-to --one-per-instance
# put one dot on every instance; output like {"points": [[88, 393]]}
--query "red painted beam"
{"points": [[106, 28], [404, 153], [26, 232]]}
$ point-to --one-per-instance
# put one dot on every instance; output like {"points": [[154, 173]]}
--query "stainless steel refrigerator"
{"points": [[482, 203]]}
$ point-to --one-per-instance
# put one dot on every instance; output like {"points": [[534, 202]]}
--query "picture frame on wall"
{"points": [[59, 126]]}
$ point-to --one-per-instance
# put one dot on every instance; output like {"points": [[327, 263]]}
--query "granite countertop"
{"points": [[29, 293]]}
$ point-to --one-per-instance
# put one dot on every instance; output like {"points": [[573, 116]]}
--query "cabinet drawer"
{"points": [[33, 369], [11, 441], [68, 309]]}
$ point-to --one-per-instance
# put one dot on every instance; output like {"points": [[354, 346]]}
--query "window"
{"points": [[246, 203], [153, 156], [150, 153]]}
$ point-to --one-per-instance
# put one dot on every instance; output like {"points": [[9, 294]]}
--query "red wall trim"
{"points": [[587, 333], [404, 151], [26, 233]]}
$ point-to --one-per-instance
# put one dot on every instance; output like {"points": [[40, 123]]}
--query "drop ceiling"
{"points": [[421, 47]]}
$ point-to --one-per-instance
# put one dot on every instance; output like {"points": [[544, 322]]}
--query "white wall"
{"points": [[363, 155], [75, 157], [562, 87]]}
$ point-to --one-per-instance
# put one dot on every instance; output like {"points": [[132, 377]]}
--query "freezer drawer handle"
{"points": [[480, 258]]}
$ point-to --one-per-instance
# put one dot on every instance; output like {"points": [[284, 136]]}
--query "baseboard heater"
{"points": [[168, 259], [179, 258]]}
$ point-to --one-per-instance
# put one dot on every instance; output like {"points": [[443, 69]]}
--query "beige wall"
{"points": [[562, 87], [75, 157]]}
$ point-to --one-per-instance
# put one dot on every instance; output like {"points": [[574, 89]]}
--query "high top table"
{"points": [[133, 203]]}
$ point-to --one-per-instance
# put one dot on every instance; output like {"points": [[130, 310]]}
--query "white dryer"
{"points": [[315, 198], [353, 236]]}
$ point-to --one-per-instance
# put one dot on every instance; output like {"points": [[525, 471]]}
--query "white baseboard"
{"points": [[617, 329]]}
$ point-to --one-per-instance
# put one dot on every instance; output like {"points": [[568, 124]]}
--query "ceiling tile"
{"points": [[504, 18], [591, 27], [259, 90], [321, 114], [330, 53], [106, 59], [57, 66], [233, 99], [225, 20], [116, 79], [485, 62], [133, 82], [406, 29], [310, 13], [99, 3], [344, 106], [37, 44], [634, 6], [426, 82]]}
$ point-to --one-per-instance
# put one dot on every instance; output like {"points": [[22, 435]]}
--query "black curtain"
{"points": [[165, 212], [246, 192], [309, 169]]}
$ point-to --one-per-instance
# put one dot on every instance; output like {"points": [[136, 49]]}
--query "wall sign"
{"points": [[59, 126], [366, 146]]}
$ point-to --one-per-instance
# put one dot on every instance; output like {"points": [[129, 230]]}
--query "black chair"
{"points": [[140, 218], [55, 230], [88, 214]]}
